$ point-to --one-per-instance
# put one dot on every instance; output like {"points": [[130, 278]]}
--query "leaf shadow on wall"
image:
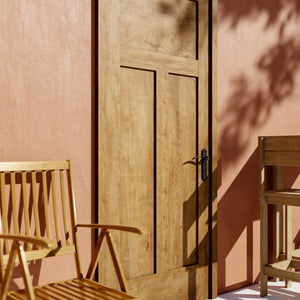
{"points": [[249, 107]]}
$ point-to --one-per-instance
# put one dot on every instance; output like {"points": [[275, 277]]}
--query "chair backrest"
{"points": [[280, 150], [37, 199]]}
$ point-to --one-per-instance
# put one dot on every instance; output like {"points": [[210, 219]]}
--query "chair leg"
{"points": [[25, 271], [9, 271]]}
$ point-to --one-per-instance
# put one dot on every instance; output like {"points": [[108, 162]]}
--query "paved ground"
{"points": [[276, 291]]}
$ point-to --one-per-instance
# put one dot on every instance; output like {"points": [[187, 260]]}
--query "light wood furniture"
{"points": [[38, 220], [278, 151]]}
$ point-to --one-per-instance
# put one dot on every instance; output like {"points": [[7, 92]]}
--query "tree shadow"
{"points": [[249, 107]]}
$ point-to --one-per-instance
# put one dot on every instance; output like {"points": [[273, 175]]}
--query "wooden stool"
{"points": [[278, 151]]}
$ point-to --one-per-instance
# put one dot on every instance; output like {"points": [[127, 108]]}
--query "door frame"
{"points": [[213, 268], [212, 91]]}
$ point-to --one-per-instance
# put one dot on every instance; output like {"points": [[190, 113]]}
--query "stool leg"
{"points": [[288, 237], [278, 216], [263, 248]]}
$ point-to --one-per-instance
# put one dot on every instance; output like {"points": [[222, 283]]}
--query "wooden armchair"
{"points": [[44, 190]]}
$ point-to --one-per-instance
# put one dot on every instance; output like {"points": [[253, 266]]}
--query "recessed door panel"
{"points": [[136, 188], [171, 26], [177, 173]]}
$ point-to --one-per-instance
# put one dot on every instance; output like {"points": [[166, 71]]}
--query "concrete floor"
{"points": [[276, 291]]}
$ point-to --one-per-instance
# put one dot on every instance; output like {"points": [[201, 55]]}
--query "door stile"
{"points": [[109, 120], [203, 143]]}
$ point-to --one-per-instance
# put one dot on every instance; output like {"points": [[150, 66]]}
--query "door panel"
{"points": [[176, 172], [153, 119], [171, 27], [136, 159]]}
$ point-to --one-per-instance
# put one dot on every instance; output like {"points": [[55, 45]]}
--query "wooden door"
{"points": [[153, 119]]}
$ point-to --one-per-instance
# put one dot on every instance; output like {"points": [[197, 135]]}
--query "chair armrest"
{"points": [[132, 229], [39, 241]]}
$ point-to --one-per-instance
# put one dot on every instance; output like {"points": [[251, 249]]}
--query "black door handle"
{"points": [[204, 159]]}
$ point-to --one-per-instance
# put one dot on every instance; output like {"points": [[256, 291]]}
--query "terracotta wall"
{"points": [[258, 94], [45, 97]]}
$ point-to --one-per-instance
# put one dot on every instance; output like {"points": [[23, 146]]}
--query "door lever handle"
{"points": [[204, 159]]}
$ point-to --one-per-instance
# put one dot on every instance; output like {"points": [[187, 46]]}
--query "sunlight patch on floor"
{"points": [[276, 291]]}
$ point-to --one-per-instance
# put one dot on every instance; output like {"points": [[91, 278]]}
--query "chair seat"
{"points": [[73, 289]]}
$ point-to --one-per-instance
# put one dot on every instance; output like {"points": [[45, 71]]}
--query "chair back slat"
{"points": [[4, 210], [25, 207], [35, 205], [37, 199], [64, 210], [56, 218], [45, 202], [14, 202]]}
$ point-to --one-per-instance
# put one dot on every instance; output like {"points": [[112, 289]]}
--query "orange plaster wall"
{"points": [[45, 98], [258, 94]]}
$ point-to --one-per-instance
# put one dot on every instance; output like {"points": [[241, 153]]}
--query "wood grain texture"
{"points": [[282, 158], [278, 216], [73, 289], [275, 143], [176, 174], [53, 219], [154, 64], [170, 28], [183, 283], [136, 203], [263, 221]]}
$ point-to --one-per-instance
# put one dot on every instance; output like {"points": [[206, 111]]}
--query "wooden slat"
{"points": [[282, 143], [47, 293], [283, 197], [131, 229], [289, 275], [35, 205], [73, 220], [65, 291], [33, 166], [282, 158], [4, 210], [55, 211], [80, 291], [93, 284], [46, 206], [64, 208], [282, 265], [14, 202], [42, 253], [25, 207]]}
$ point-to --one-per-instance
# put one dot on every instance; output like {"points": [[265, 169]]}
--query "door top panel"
{"points": [[163, 26]]}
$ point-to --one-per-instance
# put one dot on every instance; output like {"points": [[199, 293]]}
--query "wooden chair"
{"points": [[38, 220]]}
